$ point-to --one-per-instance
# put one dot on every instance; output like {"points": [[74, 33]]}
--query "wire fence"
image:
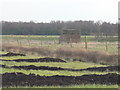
{"points": [[103, 43]]}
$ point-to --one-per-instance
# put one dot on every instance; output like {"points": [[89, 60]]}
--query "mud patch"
{"points": [[3, 66], [109, 68], [37, 60], [12, 54], [20, 79], [32, 67]]}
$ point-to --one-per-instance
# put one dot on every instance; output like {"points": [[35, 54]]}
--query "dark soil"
{"points": [[38, 60], [12, 54], [20, 79], [3, 66], [32, 67], [109, 68]]}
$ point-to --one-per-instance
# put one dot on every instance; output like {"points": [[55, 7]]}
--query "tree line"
{"points": [[55, 27]]}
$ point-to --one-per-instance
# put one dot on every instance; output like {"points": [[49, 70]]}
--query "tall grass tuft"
{"points": [[66, 52]]}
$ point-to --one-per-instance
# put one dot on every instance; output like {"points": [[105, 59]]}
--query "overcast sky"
{"points": [[63, 10]]}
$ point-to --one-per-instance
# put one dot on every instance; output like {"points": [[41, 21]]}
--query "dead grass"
{"points": [[88, 56], [27, 50], [66, 52]]}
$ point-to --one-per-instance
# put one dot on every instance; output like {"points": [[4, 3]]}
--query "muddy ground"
{"points": [[37, 60], [32, 67], [20, 79], [12, 54], [3, 66]]}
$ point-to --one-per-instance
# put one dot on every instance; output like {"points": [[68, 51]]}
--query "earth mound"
{"points": [[20, 79], [38, 60], [12, 54]]}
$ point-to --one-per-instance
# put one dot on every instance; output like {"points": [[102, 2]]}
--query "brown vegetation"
{"points": [[72, 53], [88, 56]]}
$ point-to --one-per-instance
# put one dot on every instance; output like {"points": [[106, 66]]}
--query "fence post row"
{"points": [[106, 45], [86, 42]]}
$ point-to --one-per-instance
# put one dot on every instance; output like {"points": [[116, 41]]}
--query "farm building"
{"points": [[69, 36]]}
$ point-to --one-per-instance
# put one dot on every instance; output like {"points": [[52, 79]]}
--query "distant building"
{"points": [[69, 36]]}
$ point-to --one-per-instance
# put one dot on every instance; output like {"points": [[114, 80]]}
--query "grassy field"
{"points": [[56, 37], [72, 65], [75, 86], [51, 42], [69, 64]]}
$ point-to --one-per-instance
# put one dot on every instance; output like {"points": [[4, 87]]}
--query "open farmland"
{"points": [[52, 41], [39, 61], [102, 50], [59, 44], [55, 73]]}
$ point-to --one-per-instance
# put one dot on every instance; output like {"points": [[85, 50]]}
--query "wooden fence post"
{"points": [[28, 42], [18, 42], [106, 43], [71, 43], [86, 42], [41, 43]]}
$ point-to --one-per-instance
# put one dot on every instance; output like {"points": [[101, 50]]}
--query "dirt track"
{"points": [[20, 79], [12, 54], [37, 60]]}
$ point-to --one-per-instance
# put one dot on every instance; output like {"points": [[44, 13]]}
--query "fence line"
{"points": [[86, 41]]}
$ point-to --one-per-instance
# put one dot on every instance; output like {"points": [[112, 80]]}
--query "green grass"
{"points": [[31, 37], [56, 37], [21, 57], [49, 42], [73, 65], [2, 52], [73, 86], [35, 41], [111, 50], [51, 73], [69, 64]]}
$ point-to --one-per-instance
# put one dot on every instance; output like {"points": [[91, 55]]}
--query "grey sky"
{"points": [[119, 11], [47, 10]]}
